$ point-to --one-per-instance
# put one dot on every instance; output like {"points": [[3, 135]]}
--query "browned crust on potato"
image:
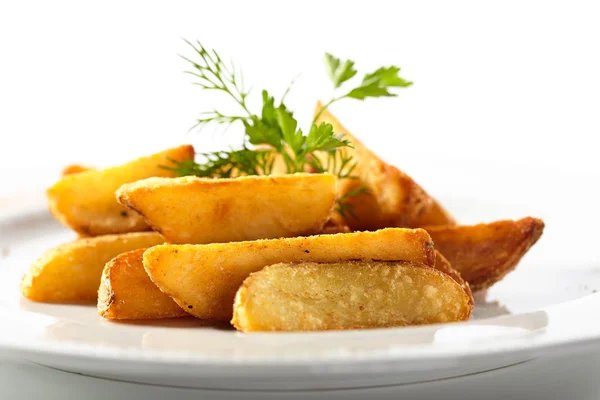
{"points": [[126, 291], [485, 253], [393, 198], [436, 215], [202, 210]]}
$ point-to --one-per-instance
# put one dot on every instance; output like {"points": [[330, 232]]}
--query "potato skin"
{"points": [[85, 201], [393, 198], [200, 210], [347, 295], [443, 265], [126, 291], [485, 253], [203, 279], [70, 273], [436, 215]]}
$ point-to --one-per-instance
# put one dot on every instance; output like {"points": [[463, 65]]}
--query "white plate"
{"points": [[546, 307]]}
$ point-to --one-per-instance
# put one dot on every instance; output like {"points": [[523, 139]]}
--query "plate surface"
{"points": [[547, 306]]}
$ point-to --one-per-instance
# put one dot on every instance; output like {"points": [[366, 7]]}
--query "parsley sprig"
{"points": [[375, 84], [274, 132]]}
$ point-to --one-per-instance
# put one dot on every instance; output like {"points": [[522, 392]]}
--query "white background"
{"points": [[513, 82]]}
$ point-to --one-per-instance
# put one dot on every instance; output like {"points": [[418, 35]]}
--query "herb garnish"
{"points": [[274, 133]]}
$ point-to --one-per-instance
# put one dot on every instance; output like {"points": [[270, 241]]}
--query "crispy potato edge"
{"points": [[115, 305], [394, 198], [530, 230], [443, 265]]}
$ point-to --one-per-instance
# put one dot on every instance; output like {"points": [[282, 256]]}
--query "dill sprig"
{"points": [[344, 206], [226, 164], [212, 73]]}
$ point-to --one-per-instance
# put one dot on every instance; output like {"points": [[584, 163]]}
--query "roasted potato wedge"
{"points": [[71, 272], [393, 198], [199, 210], [203, 279], [75, 169], [347, 295], [126, 291], [485, 253], [436, 215], [85, 201]]}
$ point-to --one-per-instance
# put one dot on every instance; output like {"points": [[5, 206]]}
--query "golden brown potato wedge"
{"points": [[442, 264], [347, 295], [436, 215], [86, 202], [126, 291], [203, 279], [74, 169], [485, 253], [71, 272], [393, 198], [199, 210]]}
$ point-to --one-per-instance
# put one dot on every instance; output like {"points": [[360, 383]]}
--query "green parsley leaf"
{"points": [[376, 84], [268, 114], [288, 124], [322, 138], [370, 90], [265, 129], [259, 132], [386, 77], [339, 71]]}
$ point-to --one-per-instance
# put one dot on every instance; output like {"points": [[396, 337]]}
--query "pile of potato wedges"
{"points": [[269, 253]]}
